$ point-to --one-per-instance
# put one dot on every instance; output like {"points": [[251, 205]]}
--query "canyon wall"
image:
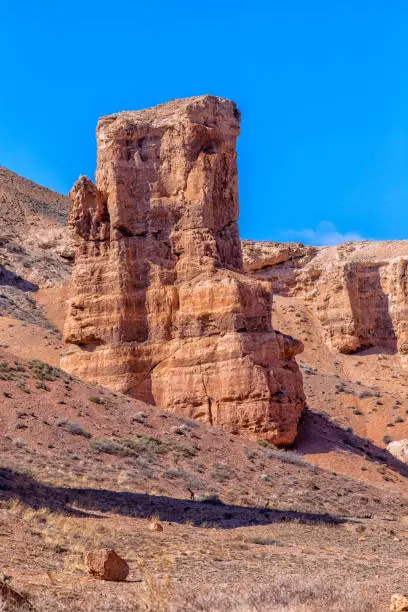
{"points": [[359, 289], [160, 307]]}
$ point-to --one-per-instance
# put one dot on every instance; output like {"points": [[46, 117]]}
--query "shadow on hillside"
{"points": [[20, 486], [318, 434], [10, 279]]}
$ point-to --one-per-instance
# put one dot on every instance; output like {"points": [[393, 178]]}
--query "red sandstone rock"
{"points": [[160, 307], [155, 526], [399, 603], [106, 565]]}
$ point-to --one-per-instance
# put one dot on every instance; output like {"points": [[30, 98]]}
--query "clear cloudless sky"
{"points": [[322, 87]]}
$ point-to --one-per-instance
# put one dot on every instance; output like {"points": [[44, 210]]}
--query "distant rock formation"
{"points": [[35, 250], [160, 306], [359, 289]]}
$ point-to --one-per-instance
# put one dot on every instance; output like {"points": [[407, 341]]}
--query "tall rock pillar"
{"points": [[160, 307]]}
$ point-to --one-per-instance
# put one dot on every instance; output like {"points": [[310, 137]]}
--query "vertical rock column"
{"points": [[160, 307]]}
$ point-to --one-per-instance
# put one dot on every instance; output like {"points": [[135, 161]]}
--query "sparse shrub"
{"points": [[11, 372], [23, 388], [19, 442], [77, 430], [221, 472], [387, 439], [140, 444], [265, 541], [95, 399], [287, 456], [180, 430], [251, 455], [138, 420], [186, 451], [107, 446], [174, 473], [43, 386], [146, 443], [212, 499], [364, 394], [73, 428], [44, 371], [399, 420], [357, 412], [263, 443]]}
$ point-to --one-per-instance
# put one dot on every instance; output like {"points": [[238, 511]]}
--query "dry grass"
{"points": [[291, 595], [280, 594]]}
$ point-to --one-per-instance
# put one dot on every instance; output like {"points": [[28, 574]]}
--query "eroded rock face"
{"points": [[359, 289], [160, 307]]}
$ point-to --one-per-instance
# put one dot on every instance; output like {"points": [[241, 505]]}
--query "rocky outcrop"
{"points": [[278, 263], [160, 307], [399, 449], [359, 290]]}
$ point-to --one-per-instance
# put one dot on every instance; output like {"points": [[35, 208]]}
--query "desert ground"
{"points": [[247, 526]]}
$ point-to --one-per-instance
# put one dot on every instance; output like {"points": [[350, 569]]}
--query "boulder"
{"points": [[399, 603], [106, 565], [155, 526]]}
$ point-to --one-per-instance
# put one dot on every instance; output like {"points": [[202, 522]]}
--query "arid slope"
{"points": [[245, 526]]}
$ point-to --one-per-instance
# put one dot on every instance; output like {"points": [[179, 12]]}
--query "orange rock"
{"points": [[106, 565], [155, 526], [160, 307], [399, 603]]}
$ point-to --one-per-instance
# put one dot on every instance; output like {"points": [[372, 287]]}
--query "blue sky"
{"points": [[322, 87]]}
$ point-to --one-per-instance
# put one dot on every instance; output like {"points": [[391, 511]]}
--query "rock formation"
{"points": [[399, 603], [160, 307], [35, 250], [359, 289], [399, 449]]}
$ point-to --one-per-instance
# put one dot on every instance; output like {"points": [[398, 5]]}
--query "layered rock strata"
{"points": [[359, 289], [160, 307]]}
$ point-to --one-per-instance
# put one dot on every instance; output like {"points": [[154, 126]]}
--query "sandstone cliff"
{"points": [[160, 307], [359, 289]]}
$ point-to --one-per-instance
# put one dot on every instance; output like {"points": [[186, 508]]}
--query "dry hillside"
{"points": [[323, 526]]}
